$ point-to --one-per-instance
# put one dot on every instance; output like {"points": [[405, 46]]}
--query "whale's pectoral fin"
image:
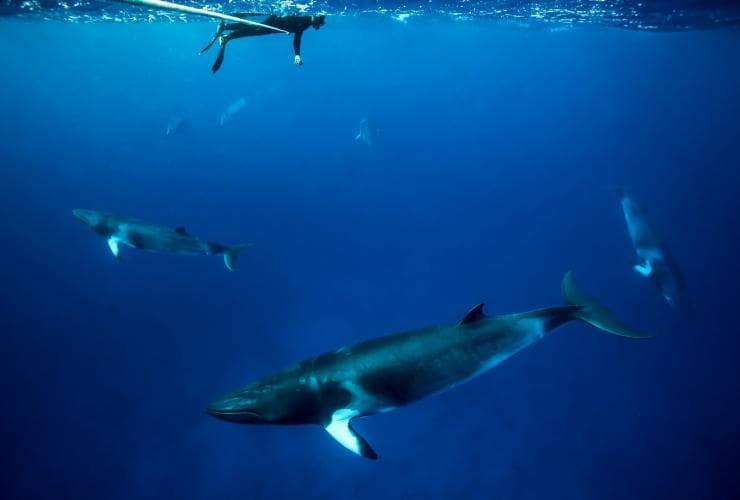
{"points": [[113, 245], [644, 269], [341, 429]]}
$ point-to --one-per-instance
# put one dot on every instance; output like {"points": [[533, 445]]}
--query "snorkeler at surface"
{"points": [[292, 24]]}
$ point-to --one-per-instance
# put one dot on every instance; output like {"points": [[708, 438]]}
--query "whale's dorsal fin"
{"points": [[181, 230], [341, 429], [475, 314]]}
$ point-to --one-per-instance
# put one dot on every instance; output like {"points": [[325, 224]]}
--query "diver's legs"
{"points": [[219, 31]]}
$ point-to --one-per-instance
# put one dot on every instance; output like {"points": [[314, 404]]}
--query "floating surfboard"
{"points": [[176, 7]]}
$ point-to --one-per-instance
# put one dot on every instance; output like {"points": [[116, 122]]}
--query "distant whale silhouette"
{"points": [[387, 372], [655, 260], [368, 133], [153, 237], [175, 125], [232, 109]]}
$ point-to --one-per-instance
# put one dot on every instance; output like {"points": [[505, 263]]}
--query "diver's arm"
{"points": [[297, 47]]}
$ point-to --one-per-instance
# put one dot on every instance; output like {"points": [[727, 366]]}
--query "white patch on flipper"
{"points": [[113, 245], [644, 269], [339, 430]]}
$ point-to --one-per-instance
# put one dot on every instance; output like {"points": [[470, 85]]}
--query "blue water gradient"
{"points": [[498, 150]]}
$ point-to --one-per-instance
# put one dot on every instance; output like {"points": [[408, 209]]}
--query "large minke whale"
{"points": [[153, 237], [387, 372]]}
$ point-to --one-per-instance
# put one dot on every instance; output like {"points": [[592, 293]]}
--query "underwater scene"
{"points": [[481, 249]]}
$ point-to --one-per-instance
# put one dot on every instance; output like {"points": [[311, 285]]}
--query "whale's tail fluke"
{"points": [[231, 256], [594, 312]]}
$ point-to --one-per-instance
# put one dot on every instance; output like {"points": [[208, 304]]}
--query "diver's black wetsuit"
{"points": [[292, 24]]}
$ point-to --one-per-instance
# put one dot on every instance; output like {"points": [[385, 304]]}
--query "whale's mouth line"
{"points": [[216, 412], [81, 216]]}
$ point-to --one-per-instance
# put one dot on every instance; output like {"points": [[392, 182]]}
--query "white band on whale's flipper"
{"points": [[113, 245], [340, 429], [160, 4], [644, 269]]}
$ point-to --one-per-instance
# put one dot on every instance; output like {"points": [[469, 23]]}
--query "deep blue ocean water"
{"points": [[499, 147]]}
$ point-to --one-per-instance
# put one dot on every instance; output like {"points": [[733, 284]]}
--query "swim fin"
{"points": [[219, 31], [220, 57]]}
